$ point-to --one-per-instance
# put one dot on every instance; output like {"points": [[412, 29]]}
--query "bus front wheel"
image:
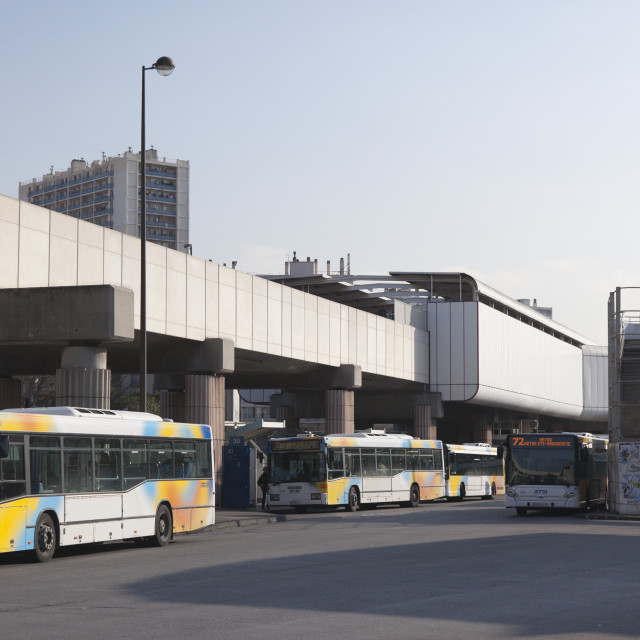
{"points": [[46, 538], [164, 525], [354, 500], [521, 511]]}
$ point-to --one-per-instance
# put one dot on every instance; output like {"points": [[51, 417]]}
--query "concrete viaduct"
{"points": [[69, 306]]}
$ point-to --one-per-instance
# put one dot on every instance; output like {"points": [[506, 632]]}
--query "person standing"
{"points": [[263, 483]]}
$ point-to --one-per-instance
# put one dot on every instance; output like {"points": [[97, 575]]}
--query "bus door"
{"points": [[376, 475]]}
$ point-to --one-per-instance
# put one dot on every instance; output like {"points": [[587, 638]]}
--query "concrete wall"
{"points": [[192, 298]]}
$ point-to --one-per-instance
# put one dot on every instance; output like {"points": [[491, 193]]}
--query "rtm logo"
{"points": [[540, 492]]}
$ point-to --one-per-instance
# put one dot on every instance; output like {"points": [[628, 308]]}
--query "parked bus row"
{"points": [[75, 476], [373, 467]]}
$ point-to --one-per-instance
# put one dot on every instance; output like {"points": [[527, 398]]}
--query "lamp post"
{"points": [[164, 66]]}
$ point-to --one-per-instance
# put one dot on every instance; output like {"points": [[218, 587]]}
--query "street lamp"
{"points": [[164, 66]]}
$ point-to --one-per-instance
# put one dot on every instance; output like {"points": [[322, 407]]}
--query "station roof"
{"points": [[377, 294]]}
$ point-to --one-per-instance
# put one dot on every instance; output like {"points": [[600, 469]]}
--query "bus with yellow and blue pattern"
{"points": [[473, 470], [356, 470], [75, 476]]}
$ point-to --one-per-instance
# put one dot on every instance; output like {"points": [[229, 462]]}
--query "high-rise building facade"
{"points": [[107, 192]]}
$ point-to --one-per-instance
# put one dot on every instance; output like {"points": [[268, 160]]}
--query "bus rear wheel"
{"points": [[414, 496], [46, 538], [492, 495], [164, 526], [354, 500]]}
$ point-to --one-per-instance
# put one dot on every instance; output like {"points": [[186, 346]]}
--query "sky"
{"points": [[493, 137]]}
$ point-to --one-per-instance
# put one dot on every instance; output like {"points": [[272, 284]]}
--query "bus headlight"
{"points": [[569, 494], [274, 497], [315, 496], [512, 493]]}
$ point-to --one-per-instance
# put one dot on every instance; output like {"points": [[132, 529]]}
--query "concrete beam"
{"points": [[88, 315], [215, 355]]}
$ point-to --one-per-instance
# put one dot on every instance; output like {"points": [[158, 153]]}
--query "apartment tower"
{"points": [[107, 192]]}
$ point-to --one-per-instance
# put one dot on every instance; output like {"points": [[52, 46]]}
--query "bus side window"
{"points": [[335, 463], [352, 459], [368, 463]]}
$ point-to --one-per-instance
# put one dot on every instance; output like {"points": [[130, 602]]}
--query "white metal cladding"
{"points": [[595, 383], [524, 368], [192, 298], [453, 332], [483, 356]]}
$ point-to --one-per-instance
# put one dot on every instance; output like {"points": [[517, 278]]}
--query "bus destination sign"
{"points": [[312, 444], [542, 441]]}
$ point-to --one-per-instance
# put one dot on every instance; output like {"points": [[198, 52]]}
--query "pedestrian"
{"points": [[263, 483]]}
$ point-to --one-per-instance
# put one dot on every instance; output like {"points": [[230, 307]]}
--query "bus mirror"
{"points": [[4, 446], [500, 452], [584, 454]]}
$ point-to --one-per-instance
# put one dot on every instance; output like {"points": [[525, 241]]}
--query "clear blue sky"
{"points": [[500, 138]]}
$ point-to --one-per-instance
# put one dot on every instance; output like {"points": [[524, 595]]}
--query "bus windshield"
{"points": [[542, 466], [297, 466]]}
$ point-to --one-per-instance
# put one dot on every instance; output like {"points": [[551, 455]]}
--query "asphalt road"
{"points": [[447, 570]]}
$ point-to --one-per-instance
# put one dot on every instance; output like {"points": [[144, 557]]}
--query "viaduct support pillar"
{"points": [[339, 399], [10, 393], [423, 425], [204, 404], [339, 411], [427, 409], [482, 430], [83, 379]]}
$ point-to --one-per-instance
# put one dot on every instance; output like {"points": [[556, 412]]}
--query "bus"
{"points": [[555, 471], [75, 476], [473, 470], [362, 469]]}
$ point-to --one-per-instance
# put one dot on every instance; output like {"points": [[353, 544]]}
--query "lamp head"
{"points": [[164, 66]]}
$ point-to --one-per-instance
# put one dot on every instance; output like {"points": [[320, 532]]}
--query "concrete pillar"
{"points": [[10, 393], [172, 405], [482, 430], [83, 379], [204, 404], [339, 411], [282, 408], [423, 425]]}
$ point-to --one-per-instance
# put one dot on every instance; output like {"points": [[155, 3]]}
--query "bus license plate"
{"points": [[541, 504]]}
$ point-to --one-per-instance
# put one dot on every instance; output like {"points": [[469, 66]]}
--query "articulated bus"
{"points": [[555, 471], [75, 476], [354, 470], [473, 470]]}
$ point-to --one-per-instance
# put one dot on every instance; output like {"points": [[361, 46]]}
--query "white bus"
{"points": [[473, 470], [555, 471], [76, 476], [356, 470]]}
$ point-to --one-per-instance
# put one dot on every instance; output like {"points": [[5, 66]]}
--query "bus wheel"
{"points": [[414, 496], [492, 495], [163, 526], [521, 511], [45, 538], [354, 500]]}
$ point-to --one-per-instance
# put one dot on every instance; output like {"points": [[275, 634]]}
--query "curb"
{"points": [[248, 522], [608, 516]]}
